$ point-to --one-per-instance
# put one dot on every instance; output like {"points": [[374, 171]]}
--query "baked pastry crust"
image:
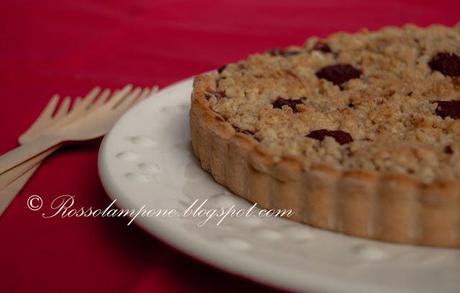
{"points": [[388, 207]]}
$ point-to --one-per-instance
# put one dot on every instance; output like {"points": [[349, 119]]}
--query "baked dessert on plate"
{"points": [[356, 133]]}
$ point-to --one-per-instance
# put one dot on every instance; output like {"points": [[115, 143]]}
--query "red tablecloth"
{"points": [[67, 47]]}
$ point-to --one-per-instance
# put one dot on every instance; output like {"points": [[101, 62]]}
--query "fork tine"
{"points": [[47, 113], [101, 99], [145, 93], [118, 97], [77, 102], [44, 117], [76, 106], [130, 100], [90, 97], [63, 108]]}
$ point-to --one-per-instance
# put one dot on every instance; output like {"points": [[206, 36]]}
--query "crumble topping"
{"points": [[387, 101]]}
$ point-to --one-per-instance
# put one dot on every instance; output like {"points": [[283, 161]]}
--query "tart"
{"points": [[356, 133]]}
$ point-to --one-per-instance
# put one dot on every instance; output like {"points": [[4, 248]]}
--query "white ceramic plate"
{"points": [[146, 160]]}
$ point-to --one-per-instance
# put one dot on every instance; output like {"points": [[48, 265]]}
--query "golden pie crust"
{"points": [[393, 208]]}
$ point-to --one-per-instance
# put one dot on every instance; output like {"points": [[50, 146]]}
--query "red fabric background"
{"points": [[67, 47]]}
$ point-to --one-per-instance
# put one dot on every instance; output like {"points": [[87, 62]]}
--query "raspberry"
{"points": [[446, 63], [339, 73], [280, 102], [448, 109], [341, 137], [222, 68], [448, 150]]}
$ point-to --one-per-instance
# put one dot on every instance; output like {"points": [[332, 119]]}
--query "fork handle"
{"points": [[8, 193], [19, 170], [26, 151]]}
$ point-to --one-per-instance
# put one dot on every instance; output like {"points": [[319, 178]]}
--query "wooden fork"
{"points": [[46, 120], [12, 181], [86, 125]]}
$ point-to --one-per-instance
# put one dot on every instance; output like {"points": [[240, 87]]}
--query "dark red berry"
{"points": [[339, 73], [322, 46], [280, 52], [341, 137], [222, 68], [448, 150], [446, 63], [280, 102], [448, 109]]}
